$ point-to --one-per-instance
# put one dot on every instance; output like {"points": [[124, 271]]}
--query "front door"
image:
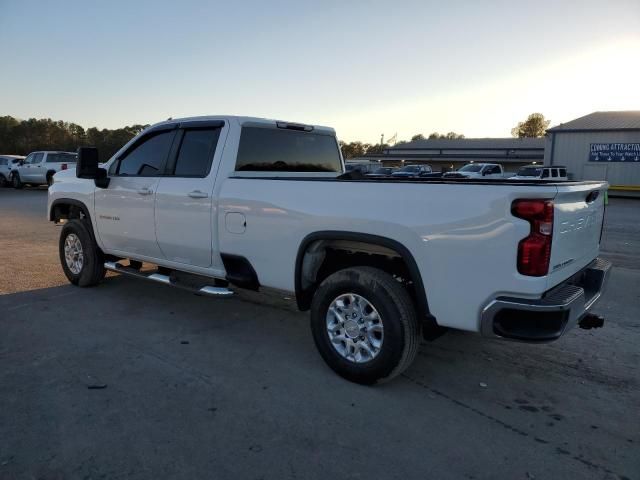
{"points": [[184, 205], [125, 210], [28, 172]]}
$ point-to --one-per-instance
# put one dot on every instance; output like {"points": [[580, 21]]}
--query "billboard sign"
{"points": [[615, 152]]}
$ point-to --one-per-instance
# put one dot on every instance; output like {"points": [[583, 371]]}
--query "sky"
{"points": [[365, 68]]}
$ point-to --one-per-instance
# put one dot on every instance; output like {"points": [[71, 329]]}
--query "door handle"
{"points": [[198, 194], [145, 191]]}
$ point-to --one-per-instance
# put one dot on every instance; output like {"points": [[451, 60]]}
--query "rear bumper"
{"points": [[547, 318]]}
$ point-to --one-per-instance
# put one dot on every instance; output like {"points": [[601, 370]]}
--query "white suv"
{"points": [[8, 163], [40, 167], [540, 172]]}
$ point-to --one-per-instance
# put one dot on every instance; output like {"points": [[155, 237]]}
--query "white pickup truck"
{"points": [[477, 170], [40, 167], [216, 203]]}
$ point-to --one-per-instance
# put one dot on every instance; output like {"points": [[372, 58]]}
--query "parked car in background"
{"points": [[540, 172], [477, 170], [362, 167], [382, 172], [40, 167], [409, 171], [7, 164]]}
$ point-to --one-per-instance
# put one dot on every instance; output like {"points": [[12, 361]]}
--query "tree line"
{"points": [[20, 137]]}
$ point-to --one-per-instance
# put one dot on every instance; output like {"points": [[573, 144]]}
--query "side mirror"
{"points": [[87, 166]]}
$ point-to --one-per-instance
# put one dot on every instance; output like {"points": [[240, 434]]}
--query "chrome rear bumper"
{"points": [[547, 318]]}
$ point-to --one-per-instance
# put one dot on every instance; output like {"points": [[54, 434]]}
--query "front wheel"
{"points": [[15, 180], [364, 325], [81, 258], [3, 181]]}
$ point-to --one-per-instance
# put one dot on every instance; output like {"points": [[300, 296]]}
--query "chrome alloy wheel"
{"points": [[355, 328], [73, 253]]}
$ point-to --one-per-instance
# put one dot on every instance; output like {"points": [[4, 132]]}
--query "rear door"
{"points": [[184, 208], [577, 225], [125, 210]]}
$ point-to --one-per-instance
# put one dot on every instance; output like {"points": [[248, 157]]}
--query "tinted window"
{"points": [[148, 157], [529, 172], [471, 168], [196, 152], [563, 172], [61, 158], [37, 158], [270, 149], [545, 173]]}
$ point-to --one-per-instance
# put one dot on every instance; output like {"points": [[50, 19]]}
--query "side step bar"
{"points": [[166, 279]]}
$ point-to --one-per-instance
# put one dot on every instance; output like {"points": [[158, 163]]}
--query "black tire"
{"points": [[396, 310], [3, 181], [15, 180], [49, 179], [92, 270]]}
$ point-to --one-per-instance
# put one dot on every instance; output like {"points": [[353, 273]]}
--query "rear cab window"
{"points": [[268, 149], [61, 157]]}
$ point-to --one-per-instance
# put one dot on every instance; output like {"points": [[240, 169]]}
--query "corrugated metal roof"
{"points": [[472, 143], [622, 120]]}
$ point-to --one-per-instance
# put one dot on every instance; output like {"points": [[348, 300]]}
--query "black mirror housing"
{"points": [[87, 163], [87, 166]]}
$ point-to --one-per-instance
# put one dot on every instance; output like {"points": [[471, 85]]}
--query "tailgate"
{"points": [[577, 225]]}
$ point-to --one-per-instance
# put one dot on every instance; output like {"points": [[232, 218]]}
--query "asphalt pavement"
{"points": [[131, 379]]}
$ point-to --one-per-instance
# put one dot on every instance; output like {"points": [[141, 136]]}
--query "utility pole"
{"points": [[382, 139]]}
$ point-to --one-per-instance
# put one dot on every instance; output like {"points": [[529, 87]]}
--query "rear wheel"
{"points": [[364, 325], [81, 258], [15, 180], [49, 179], [3, 181]]}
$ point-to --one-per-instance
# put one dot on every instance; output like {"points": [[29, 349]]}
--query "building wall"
{"points": [[572, 149]]}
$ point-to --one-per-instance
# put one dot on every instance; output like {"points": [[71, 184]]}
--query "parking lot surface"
{"points": [[135, 380]]}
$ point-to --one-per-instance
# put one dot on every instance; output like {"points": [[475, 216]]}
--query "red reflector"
{"points": [[64, 166], [534, 251]]}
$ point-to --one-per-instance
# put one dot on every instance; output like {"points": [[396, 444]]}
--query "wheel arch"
{"points": [[63, 206], [304, 292]]}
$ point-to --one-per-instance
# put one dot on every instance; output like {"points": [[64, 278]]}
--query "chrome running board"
{"points": [[220, 292]]}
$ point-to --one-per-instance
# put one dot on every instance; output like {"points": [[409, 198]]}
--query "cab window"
{"points": [[545, 173], [195, 155], [148, 157]]}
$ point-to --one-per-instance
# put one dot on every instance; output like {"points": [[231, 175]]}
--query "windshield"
{"points": [[471, 168], [529, 172], [383, 170], [410, 168]]}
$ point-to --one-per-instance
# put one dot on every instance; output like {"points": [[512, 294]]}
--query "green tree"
{"points": [[450, 135], [418, 136], [534, 126]]}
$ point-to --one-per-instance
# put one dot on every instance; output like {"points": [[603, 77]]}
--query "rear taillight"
{"points": [[64, 166], [534, 251]]}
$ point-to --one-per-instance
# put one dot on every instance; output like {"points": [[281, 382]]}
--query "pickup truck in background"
{"points": [[218, 203], [8, 163], [411, 171], [40, 167], [477, 170]]}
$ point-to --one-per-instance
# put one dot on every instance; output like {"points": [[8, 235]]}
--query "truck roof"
{"points": [[242, 120]]}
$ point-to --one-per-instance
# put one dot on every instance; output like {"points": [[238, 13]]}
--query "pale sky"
{"points": [[364, 68]]}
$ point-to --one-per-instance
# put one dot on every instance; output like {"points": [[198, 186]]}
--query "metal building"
{"points": [[599, 146], [451, 154]]}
